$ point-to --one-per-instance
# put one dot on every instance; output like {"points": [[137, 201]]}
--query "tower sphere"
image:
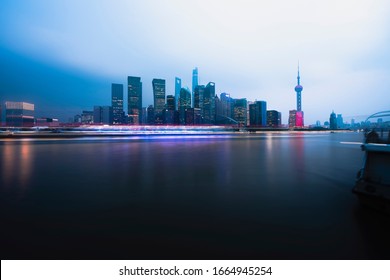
{"points": [[298, 88]]}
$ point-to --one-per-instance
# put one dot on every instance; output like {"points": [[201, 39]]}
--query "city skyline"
{"points": [[66, 62]]}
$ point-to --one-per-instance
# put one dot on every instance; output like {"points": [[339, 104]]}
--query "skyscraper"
{"points": [[134, 107], [333, 121], [194, 79], [169, 112], [117, 103], [102, 114], [258, 113], [198, 97], [208, 113], [292, 118], [177, 91], [239, 111], [184, 103], [274, 118], [150, 112], [340, 121], [227, 105], [171, 103], [159, 98], [19, 114]]}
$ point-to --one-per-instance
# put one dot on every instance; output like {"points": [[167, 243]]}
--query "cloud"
{"points": [[249, 48]]}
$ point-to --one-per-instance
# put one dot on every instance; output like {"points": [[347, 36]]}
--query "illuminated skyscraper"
{"points": [[171, 103], [274, 118], [239, 111], [258, 113], [208, 112], [170, 111], [292, 118], [134, 107], [150, 112], [184, 103], [195, 81], [117, 103], [19, 114], [198, 97], [333, 121], [177, 91], [159, 98]]}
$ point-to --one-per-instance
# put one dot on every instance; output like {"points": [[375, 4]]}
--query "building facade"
{"points": [[239, 111], [19, 114], [332, 121], [274, 118], [134, 106], [195, 80], [159, 99], [158, 95], [102, 115], [184, 103], [177, 91], [117, 103], [171, 103], [208, 112], [258, 114]]}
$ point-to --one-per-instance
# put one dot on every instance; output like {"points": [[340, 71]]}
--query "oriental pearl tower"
{"points": [[297, 120], [298, 90]]}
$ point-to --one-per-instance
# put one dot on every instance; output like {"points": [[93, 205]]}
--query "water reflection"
{"points": [[247, 196], [16, 165]]}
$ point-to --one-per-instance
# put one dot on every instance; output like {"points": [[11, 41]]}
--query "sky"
{"points": [[63, 55]]}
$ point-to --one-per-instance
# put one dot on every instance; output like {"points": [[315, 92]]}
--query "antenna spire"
{"points": [[298, 78]]}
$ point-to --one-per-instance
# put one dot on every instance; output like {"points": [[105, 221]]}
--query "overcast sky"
{"points": [[63, 55]]}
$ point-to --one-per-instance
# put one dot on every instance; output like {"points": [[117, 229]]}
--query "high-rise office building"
{"points": [[177, 91], [195, 81], [340, 121], [274, 118], [102, 115], [184, 103], [218, 110], [19, 114], [151, 116], [159, 99], [170, 111], [171, 103], [226, 105], [223, 109], [97, 114], [292, 118], [117, 103], [134, 107], [239, 111], [258, 113], [198, 97], [332, 121], [158, 95], [208, 112]]}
